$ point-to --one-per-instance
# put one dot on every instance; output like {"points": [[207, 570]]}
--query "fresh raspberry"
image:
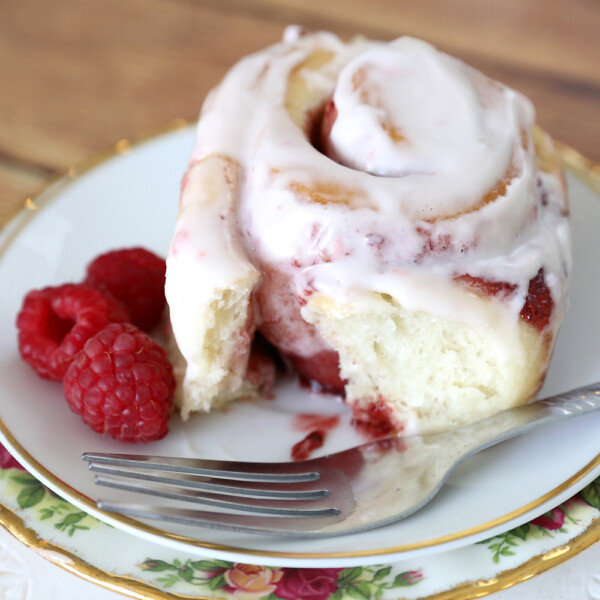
{"points": [[134, 276], [55, 322], [122, 384]]}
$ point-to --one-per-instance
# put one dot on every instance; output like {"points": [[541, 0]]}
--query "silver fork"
{"points": [[358, 489]]}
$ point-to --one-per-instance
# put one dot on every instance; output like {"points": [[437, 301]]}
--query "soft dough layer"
{"points": [[212, 323], [386, 217], [430, 373]]}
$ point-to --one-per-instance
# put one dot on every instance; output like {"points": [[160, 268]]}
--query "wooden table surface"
{"points": [[78, 75]]}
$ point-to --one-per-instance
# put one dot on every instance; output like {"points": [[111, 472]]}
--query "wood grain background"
{"points": [[78, 75]]}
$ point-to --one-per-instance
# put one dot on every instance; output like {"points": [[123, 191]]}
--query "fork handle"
{"points": [[508, 424], [578, 401]]}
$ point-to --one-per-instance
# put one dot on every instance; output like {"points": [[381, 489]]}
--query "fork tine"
{"points": [[254, 506], [267, 472], [370, 486], [186, 481], [227, 522]]}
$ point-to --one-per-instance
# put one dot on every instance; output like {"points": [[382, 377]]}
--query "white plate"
{"points": [[131, 199]]}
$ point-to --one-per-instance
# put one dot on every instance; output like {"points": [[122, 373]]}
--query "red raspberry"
{"points": [[55, 322], [122, 384], [136, 277]]}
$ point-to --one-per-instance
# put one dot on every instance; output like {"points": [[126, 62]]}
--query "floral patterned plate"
{"points": [[74, 540], [131, 199]]}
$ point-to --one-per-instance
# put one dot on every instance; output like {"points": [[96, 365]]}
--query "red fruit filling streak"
{"points": [[321, 371], [303, 449], [309, 421], [318, 426], [322, 127], [486, 287], [538, 305], [374, 420]]}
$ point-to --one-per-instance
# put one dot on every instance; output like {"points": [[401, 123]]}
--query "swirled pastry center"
{"points": [[405, 110]]}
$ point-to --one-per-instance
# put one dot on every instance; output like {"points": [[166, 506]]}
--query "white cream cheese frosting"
{"points": [[427, 173]]}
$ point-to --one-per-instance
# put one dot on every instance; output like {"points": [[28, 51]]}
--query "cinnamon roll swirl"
{"points": [[389, 218]]}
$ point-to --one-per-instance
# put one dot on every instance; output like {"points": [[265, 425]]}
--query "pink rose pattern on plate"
{"points": [[553, 521], [253, 582]]}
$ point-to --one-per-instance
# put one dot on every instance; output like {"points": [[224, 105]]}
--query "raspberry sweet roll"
{"points": [[387, 217]]}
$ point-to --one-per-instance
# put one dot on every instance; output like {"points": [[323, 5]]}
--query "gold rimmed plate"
{"points": [[130, 199]]}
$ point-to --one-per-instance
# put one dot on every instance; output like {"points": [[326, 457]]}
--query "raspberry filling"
{"points": [[283, 326], [538, 306], [309, 421], [322, 369], [322, 128], [318, 426], [303, 449], [486, 287], [261, 370], [374, 420]]}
